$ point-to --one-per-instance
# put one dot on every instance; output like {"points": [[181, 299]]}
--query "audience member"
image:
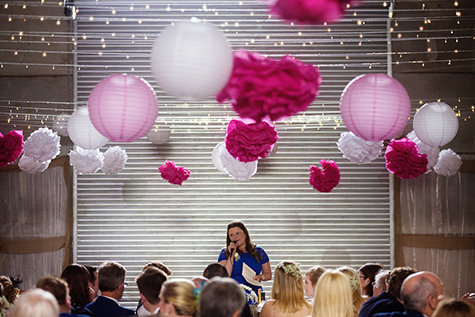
{"points": [[311, 279], [222, 297], [389, 301], [355, 288], [35, 303], [367, 274], [177, 299], [9, 290], [77, 277], [287, 293], [140, 310], [451, 307], [93, 281], [333, 296], [421, 292], [149, 282], [379, 284], [111, 284], [215, 269], [4, 304]]}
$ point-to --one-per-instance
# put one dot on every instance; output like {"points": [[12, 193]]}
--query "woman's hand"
{"points": [[232, 248], [259, 278]]}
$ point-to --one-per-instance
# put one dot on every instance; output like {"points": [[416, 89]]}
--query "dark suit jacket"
{"points": [[383, 303], [105, 307], [407, 313]]}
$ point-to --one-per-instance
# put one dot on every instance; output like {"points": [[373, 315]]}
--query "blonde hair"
{"points": [[179, 292], [288, 290], [332, 296], [35, 303], [355, 284], [450, 307]]}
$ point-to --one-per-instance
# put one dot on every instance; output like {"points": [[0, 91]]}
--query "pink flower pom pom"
{"points": [[310, 11], [11, 146], [326, 179], [261, 87], [249, 142], [403, 159], [174, 174]]}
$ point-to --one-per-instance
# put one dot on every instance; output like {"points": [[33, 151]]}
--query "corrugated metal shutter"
{"points": [[136, 216]]}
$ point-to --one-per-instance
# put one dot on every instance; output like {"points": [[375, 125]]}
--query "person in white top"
{"points": [[149, 282]]}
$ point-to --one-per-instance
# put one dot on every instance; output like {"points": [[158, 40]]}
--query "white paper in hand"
{"points": [[248, 274]]}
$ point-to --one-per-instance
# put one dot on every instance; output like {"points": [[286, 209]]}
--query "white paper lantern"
{"points": [[192, 60], [82, 132], [436, 124], [159, 134]]}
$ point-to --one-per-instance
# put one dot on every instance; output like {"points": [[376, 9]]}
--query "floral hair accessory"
{"points": [[11, 146], [174, 174], [403, 159], [261, 87], [354, 283], [325, 179], [249, 142], [290, 269]]}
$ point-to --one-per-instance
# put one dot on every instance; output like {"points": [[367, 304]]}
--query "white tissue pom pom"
{"points": [[42, 145], [449, 163], [86, 161], [239, 170], [30, 166], [114, 160], [431, 151], [357, 149], [60, 125], [216, 156]]}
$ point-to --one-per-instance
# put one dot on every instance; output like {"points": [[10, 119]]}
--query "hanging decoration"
{"points": [[122, 107], [325, 179], [225, 163], [449, 163], [431, 151], [403, 159], [357, 149], [30, 166], [216, 156], [11, 146], [159, 134], [86, 161], [191, 60], [435, 124], [42, 145], [82, 132], [174, 174], [264, 88], [114, 160], [310, 11], [248, 142], [375, 107]]}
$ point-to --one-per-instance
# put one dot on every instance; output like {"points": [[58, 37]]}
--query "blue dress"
{"points": [[250, 261]]}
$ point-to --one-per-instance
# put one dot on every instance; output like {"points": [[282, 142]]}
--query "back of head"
{"points": [[77, 277], [150, 282], [452, 307], [288, 290], [333, 297], [215, 269], [160, 266], [355, 285], [380, 280], [56, 286], [369, 270], [416, 290], [314, 274], [221, 297], [111, 275], [9, 290], [35, 303], [91, 269], [179, 292], [395, 279]]}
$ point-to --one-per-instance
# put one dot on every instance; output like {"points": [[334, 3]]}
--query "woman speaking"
{"points": [[247, 263]]}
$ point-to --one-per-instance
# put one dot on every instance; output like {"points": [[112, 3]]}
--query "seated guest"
{"points": [[111, 284], [333, 296], [451, 307], [222, 297], [9, 290], [380, 285], [287, 293], [77, 277], [215, 269], [391, 300], [367, 274], [421, 292], [177, 299], [35, 303], [355, 288], [140, 310], [149, 282], [311, 279], [93, 281]]}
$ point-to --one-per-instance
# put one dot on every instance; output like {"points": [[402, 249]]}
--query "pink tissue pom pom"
{"points": [[261, 87], [326, 179], [310, 11], [403, 159], [174, 174], [11, 146], [249, 142]]}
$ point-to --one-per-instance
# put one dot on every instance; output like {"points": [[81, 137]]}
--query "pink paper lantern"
{"points": [[122, 107], [375, 107]]}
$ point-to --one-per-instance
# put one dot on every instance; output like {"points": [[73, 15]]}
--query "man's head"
{"points": [[160, 266], [59, 289], [221, 297], [35, 303], [379, 284], [422, 292], [112, 279], [215, 269], [149, 282], [395, 279]]}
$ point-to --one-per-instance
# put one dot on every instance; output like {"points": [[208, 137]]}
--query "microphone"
{"points": [[232, 249]]}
